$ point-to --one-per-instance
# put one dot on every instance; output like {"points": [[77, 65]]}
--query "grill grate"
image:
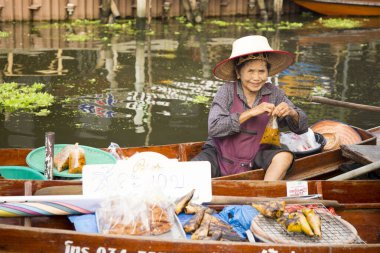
{"points": [[334, 230]]}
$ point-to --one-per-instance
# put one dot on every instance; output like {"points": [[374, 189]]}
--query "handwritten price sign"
{"points": [[173, 178], [296, 188]]}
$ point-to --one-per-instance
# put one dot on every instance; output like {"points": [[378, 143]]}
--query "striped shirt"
{"points": [[223, 123]]}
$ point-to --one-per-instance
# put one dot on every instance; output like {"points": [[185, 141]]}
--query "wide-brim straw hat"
{"points": [[254, 44], [336, 133]]}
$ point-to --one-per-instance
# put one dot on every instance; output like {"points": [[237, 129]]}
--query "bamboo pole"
{"points": [[329, 101], [357, 172], [237, 200]]}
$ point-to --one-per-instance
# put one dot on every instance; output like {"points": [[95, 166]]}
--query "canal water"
{"points": [[111, 84]]}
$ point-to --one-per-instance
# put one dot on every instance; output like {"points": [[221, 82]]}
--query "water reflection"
{"points": [[148, 89]]}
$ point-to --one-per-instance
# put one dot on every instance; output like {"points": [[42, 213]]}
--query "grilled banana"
{"points": [[183, 201], [314, 221], [304, 224], [296, 222], [272, 209]]}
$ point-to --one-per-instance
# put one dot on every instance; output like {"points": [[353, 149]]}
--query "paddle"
{"points": [[333, 102]]}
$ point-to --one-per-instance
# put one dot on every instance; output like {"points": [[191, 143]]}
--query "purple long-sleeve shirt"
{"points": [[223, 123]]}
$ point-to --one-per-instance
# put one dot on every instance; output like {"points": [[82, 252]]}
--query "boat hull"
{"points": [[56, 233], [342, 8]]}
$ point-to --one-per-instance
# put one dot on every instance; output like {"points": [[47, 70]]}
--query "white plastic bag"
{"points": [[298, 143]]}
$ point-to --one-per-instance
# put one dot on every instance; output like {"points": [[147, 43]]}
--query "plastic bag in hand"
{"points": [[271, 134]]}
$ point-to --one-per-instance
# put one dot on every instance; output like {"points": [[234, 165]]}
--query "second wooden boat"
{"points": [[317, 166], [342, 8]]}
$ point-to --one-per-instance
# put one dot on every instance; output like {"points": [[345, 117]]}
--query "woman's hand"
{"points": [[255, 111], [262, 108], [283, 109]]}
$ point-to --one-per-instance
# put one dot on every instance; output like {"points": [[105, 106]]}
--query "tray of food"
{"points": [[306, 224], [36, 159]]}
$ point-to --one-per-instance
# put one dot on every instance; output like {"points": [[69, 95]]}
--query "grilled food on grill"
{"points": [[305, 227], [296, 222], [272, 209], [314, 221]]}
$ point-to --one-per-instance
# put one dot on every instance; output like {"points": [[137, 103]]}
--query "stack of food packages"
{"points": [[144, 213]]}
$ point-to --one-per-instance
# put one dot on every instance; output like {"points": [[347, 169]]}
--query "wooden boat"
{"points": [[317, 166], [342, 8], [56, 233]]}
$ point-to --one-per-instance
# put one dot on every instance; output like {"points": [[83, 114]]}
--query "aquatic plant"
{"points": [[340, 23], [4, 34], [201, 99], [16, 97], [78, 37]]}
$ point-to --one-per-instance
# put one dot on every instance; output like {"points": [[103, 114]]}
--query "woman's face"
{"points": [[253, 75]]}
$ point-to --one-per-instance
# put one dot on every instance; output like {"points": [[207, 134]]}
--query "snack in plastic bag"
{"points": [[115, 150], [61, 160], [271, 133], [136, 214], [77, 159]]}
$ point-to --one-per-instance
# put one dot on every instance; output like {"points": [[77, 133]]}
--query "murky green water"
{"points": [[155, 88]]}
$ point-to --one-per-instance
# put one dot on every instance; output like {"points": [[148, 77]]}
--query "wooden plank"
{"points": [[363, 154]]}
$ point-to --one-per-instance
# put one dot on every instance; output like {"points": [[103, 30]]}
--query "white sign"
{"points": [[296, 188], [173, 178]]}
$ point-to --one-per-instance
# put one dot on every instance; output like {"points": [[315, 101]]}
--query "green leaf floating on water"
{"points": [[16, 97]]}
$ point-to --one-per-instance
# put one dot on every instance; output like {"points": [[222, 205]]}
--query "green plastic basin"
{"points": [[20, 172]]}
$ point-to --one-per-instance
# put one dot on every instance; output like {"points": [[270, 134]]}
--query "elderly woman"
{"points": [[241, 110]]}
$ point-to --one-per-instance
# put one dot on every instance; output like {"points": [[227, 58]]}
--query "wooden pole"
{"points": [[105, 11], [141, 15], [236, 200], [329, 101], [188, 12], [262, 8], [357, 172], [277, 8], [49, 154]]}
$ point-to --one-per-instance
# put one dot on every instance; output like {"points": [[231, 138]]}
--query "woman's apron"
{"points": [[236, 152]]}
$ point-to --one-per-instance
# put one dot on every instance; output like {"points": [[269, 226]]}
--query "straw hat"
{"points": [[336, 133], [254, 44]]}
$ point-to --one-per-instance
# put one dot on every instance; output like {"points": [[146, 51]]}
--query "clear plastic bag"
{"points": [[61, 160], [77, 159], [145, 213], [302, 142], [115, 150], [271, 134]]}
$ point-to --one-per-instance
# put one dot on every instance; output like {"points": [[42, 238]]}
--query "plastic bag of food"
{"points": [[61, 160], [144, 213], [77, 159], [115, 150], [271, 133]]}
